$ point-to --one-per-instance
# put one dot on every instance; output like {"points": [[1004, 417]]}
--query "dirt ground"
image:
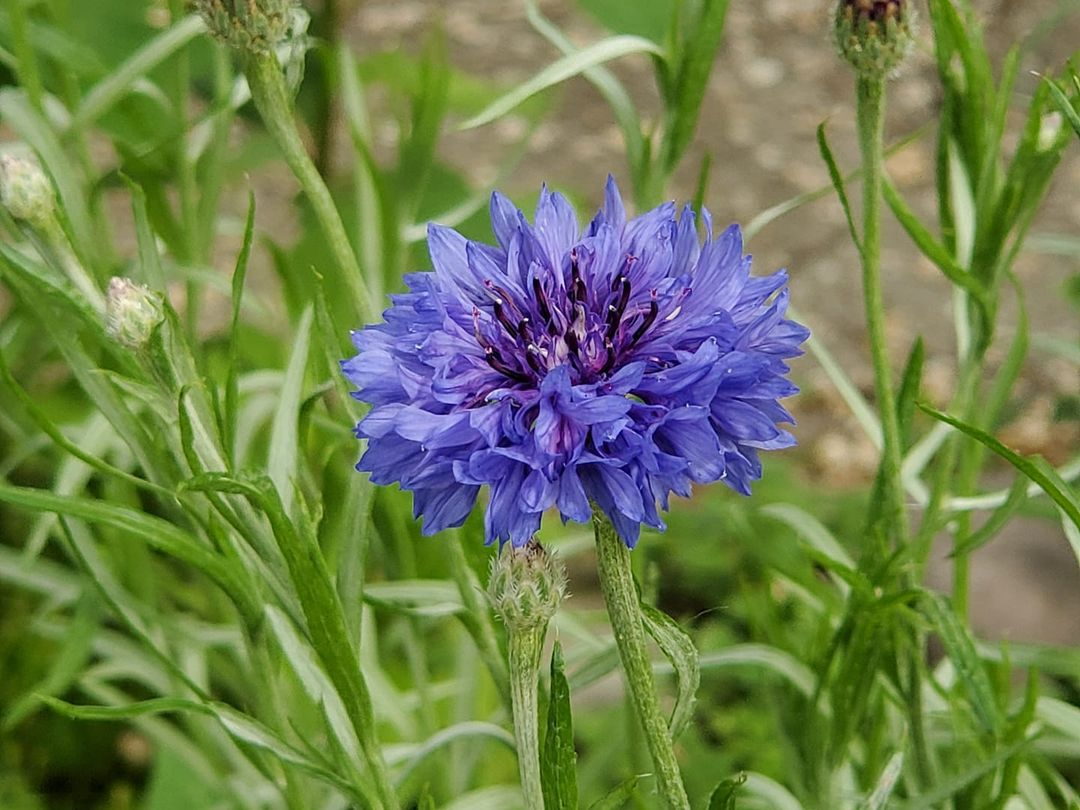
{"points": [[776, 78]]}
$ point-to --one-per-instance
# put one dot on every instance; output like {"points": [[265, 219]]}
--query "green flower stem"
{"points": [[870, 117], [621, 598], [525, 645], [272, 100]]}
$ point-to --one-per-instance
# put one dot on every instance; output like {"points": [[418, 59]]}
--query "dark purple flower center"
{"points": [[564, 321]]}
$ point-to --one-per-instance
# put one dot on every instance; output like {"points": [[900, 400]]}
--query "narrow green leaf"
{"points": [[1068, 109], [240, 727], [157, 533], [909, 391], [776, 796], [724, 795], [302, 660], [1034, 467], [46, 425], [431, 598], [765, 658], [282, 461], [558, 759], [695, 61], [838, 184], [149, 260], [996, 522], [960, 648], [951, 785], [617, 797], [886, 784], [930, 247], [683, 655], [622, 106], [232, 384], [561, 70], [102, 96], [66, 666]]}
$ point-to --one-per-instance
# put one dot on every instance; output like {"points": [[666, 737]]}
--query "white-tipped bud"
{"points": [[132, 312], [26, 192], [527, 585]]}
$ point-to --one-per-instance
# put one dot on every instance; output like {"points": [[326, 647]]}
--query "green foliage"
{"points": [[202, 605]]}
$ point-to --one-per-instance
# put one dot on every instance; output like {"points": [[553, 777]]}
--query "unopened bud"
{"points": [[256, 26], [875, 35], [527, 585], [26, 192], [132, 312]]}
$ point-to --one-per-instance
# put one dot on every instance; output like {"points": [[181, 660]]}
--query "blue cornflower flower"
{"points": [[565, 368]]}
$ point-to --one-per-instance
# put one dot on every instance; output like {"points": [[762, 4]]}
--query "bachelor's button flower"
{"points": [[568, 369]]}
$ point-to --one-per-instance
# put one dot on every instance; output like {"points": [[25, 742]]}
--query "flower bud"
{"points": [[132, 312], [527, 585], [26, 191], [874, 35], [256, 26]]}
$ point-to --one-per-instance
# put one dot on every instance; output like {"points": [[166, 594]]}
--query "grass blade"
{"points": [[561, 70], [1035, 467]]}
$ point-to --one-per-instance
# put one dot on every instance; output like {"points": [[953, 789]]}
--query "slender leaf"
{"points": [[725, 794], [558, 759], [232, 384], [960, 648], [1034, 467], [281, 465], [617, 797], [838, 184], [118, 82], [561, 70], [683, 655]]}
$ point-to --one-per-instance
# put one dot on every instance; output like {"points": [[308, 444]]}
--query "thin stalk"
{"points": [[621, 599], [870, 116], [524, 653], [272, 101]]}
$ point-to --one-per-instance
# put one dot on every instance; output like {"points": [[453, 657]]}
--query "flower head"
{"points": [[575, 369], [874, 35]]}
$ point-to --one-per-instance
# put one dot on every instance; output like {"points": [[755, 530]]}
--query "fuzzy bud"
{"points": [[26, 191], [527, 585], [132, 312], [875, 35], [252, 26]]}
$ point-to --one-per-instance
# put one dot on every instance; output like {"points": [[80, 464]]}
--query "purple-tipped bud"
{"points": [[874, 35], [527, 585]]}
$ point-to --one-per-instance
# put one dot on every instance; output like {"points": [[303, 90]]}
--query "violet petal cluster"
{"points": [[567, 368]]}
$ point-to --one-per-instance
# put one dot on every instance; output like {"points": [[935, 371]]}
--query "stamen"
{"points": [[541, 299], [647, 321]]}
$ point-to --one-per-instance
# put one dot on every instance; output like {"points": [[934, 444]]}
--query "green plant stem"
{"points": [[870, 116], [524, 653], [621, 599], [272, 101]]}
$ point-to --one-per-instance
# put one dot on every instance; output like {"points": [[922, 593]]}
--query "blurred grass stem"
{"points": [[621, 599]]}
